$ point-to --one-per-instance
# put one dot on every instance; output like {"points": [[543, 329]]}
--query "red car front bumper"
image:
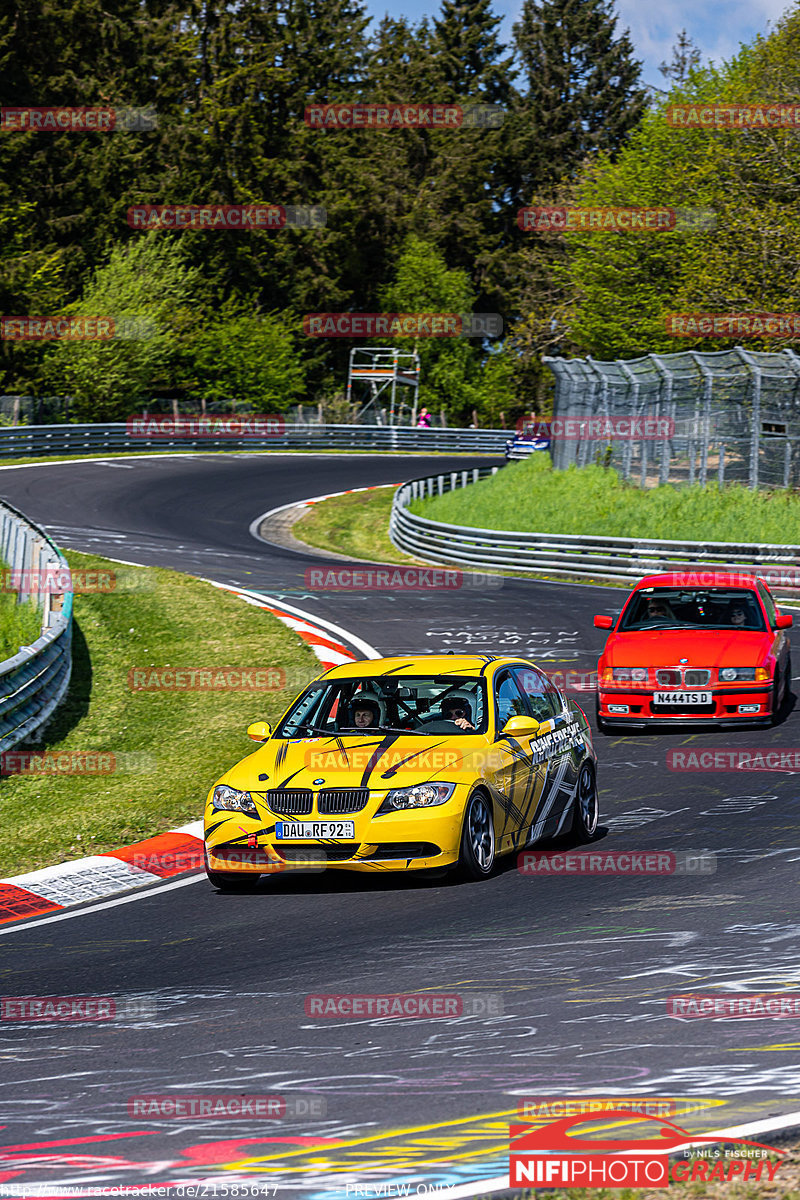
{"points": [[741, 704]]}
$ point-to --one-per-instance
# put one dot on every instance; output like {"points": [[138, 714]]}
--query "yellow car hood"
{"points": [[375, 761]]}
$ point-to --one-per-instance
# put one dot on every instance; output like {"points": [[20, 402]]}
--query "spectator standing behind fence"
{"points": [[424, 419]]}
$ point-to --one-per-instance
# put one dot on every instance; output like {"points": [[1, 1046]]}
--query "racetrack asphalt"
{"points": [[577, 969]]}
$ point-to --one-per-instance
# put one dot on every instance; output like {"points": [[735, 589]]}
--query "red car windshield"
{"points": [[693, 608]]}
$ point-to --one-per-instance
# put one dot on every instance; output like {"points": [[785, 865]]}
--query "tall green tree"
{"points": [[53, 52], [451, 368], [685, 57], [471, 60], [582, 92], [244, 360], [149, 293]]}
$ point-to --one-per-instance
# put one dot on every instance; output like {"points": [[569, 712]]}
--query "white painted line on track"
{"points": [[366, 649], [35, 922], [211, 456]]}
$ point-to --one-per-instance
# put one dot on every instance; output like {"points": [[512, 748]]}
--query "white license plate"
{"points": [[682, 698], [295, 831]]}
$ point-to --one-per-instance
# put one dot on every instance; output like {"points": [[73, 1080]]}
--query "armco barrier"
{"points": [[573, 556], [35, 680], [30, 441]]}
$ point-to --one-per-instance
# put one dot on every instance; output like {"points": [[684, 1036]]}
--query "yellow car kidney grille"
{"points": [[342, 800], [289, 802]]}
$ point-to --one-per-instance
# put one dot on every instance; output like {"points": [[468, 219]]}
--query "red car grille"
{"points": [[690, 677]]}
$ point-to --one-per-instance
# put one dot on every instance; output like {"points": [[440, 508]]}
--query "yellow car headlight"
{"points": [[230, 799], [421, 795]]}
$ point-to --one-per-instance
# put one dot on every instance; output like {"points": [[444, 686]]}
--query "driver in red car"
{"points": [[659, 610], [738, 615]]}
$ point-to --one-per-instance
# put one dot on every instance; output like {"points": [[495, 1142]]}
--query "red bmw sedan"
{"points": [[694, 648]]}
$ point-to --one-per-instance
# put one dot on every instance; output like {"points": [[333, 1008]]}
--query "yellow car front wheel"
{"points": [[476, 859]]}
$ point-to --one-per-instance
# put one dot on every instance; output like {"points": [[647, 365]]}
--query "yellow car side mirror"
{"points": [[259, 731], [521, 727]]}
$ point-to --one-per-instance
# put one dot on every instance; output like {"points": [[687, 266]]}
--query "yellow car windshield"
{"points": [[416, 704]]}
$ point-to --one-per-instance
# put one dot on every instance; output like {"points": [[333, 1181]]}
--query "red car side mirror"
{"points": [[783, 621], [603, 622]]}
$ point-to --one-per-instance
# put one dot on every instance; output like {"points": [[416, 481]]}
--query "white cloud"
{"points": [[716, 28]]}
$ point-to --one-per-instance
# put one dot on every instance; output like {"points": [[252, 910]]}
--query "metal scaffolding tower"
{"points": [[373, 369]]}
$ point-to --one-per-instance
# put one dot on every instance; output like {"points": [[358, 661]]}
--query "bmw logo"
{"points": [[316, 781], [683, 660]]}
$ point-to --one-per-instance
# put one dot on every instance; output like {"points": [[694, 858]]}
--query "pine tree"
{"points": [[583, 92], [469, 55], [685, 57]]}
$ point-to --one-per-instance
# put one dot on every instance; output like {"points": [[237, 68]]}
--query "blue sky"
{"points": [[717, 27]]}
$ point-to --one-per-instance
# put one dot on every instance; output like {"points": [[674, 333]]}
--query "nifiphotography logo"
{"points": [[548, 1156]]}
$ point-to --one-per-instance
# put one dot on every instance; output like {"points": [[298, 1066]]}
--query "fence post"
{"points": [[708, 383], [755, 431], [665, 385]]}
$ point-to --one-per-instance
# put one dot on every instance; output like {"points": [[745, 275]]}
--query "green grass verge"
{"points": [[329, 525], [183, 739], [20, 624], [531, 496], [355, 524]]}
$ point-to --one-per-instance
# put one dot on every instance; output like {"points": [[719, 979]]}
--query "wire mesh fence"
{"points": [[731, 416]]}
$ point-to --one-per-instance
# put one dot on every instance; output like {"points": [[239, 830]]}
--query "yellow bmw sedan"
{"points": [[397, 764]]}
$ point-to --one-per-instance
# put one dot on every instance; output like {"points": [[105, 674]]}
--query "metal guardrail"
{"points": [[30, 441], [35, 680], [571, 555]]}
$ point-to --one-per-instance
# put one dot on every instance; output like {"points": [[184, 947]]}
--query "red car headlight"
{"points": [[733, 674], [629, 674]]}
